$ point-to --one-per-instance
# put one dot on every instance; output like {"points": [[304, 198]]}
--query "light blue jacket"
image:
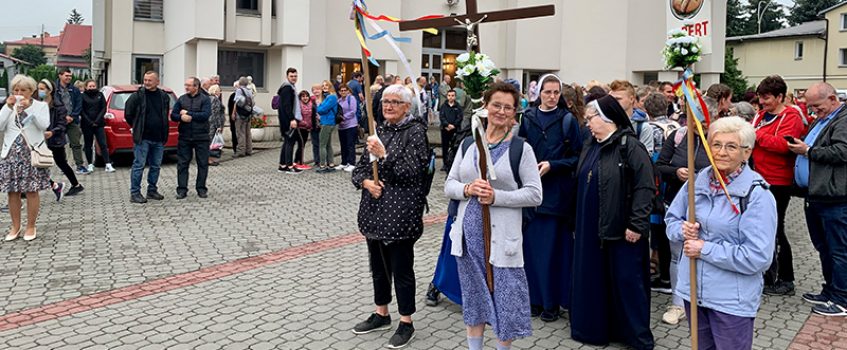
{"points": [[738, 248]]}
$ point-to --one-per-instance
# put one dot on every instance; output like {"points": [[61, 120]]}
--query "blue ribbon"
{"points": [[689, 97]]}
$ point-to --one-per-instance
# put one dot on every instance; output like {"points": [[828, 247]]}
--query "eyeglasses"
{"points": [[730, 147], [392, 103], [501, 107]]}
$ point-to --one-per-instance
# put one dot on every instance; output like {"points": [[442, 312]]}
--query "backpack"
{"points": [[429, 176], [639, 126], [667, 128], [515, 153], [245, 111], [743, 201], [275, 102]]}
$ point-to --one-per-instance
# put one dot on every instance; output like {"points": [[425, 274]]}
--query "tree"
{"points": [[807, 10], [773, 16], [732, 76], [86, 55], [75, 17], [736, 19], [43, 72], [30, 53]]}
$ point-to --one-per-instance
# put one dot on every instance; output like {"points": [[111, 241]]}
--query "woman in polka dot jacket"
{"points": [[391, 211]]}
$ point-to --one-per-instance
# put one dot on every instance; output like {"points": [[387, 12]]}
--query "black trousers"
{"points": [[185, 150], [782, 267], [302, 137], [234, 135], [347, 138], [394, 260], [61, 160], [88, 135], [659, 236], [286, 153], [446, 141]]}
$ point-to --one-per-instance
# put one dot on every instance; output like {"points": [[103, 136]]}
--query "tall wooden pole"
{"points": [[366, 70], [692, 218], [486, 213]]}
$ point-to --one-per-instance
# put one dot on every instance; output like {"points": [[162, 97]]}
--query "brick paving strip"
{"points": [[102, 299], [821, 332]]}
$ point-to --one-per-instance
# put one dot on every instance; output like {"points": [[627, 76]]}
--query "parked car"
{"points": [[3, 94], [118, 134]]}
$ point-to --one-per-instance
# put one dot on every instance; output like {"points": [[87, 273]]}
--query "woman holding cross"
{"points": [[506, 307]]}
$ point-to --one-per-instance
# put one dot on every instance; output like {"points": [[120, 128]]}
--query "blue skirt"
{"points": [[446, 277]]}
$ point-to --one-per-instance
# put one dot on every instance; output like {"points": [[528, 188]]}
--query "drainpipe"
{"points": [[825, 47]]}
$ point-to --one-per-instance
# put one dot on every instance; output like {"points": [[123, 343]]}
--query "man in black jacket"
{"points": [[146, 112], [821, 169], [451, 115], [192, 111], [289, 114]]}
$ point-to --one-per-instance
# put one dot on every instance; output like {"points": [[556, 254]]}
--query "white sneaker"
{"points": [[341, 167], [109, 168], [90, 168], [349, 168], [674, 314]]}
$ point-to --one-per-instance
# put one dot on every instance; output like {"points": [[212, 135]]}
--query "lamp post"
{"points": [[760, 14]]}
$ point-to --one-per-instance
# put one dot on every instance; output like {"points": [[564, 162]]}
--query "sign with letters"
{"points": [[693, 17]]}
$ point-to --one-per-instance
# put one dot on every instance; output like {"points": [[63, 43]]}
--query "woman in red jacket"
{"points": [[773, 160]]}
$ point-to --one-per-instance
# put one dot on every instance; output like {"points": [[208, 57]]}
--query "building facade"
{"points": [[585, 40]]}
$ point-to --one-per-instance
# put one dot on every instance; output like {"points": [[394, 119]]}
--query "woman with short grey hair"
{"points": [[732, 240], [744, 110]]}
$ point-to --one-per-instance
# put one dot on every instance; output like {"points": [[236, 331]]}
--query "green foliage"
{"points": [[258, 123], [86, 55], [43, 72], [30, 53], [4, 79], [807, 10], [477, 71], [75, 17], [732, 76], [736, 22], [681, 50]]}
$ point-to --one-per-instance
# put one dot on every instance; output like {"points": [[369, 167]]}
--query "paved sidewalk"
{"points": [[269, 260]]}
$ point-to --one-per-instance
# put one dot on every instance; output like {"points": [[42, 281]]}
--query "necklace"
{"points": [[490, 146]]}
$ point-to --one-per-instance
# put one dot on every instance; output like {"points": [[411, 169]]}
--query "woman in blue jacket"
{"points": [[327, 108], [732, 248], [554, 134]]}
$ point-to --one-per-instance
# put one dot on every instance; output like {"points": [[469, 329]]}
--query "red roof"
{"points": [[75, 40], [49, 41]]}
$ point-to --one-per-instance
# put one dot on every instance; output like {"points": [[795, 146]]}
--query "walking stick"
{"points": [[366, 69], [692, 271], [486, 213]]}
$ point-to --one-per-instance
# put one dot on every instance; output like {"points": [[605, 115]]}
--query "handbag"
{"points": [[40, 156], [339, 115]]}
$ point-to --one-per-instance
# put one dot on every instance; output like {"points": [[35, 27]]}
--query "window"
{"points": [[844, 21], [842, 57], [144, 64], [148, 10], [233, 64], [798, 50], [247, 6]]}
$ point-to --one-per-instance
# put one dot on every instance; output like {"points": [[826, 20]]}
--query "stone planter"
{"points": [[258, 135]]}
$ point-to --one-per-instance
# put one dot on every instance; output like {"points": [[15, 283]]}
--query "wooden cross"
{"points": [[473, 17]]}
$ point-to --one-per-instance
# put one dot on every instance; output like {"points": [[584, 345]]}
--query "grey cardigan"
{"points": [[506, 214]]}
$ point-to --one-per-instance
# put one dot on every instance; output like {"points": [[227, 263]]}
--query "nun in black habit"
{"points": [[611, 286]]}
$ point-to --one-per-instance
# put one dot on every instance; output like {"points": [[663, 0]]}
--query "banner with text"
{"points": [[694, 17]]}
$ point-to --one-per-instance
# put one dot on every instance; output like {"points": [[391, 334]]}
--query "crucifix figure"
{"points": [[470, 21], [474, 17]]}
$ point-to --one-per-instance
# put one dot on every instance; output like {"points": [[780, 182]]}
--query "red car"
{"points": [[118, 134]]}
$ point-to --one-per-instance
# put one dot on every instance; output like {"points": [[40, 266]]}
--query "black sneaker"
{"points": [[75, 190], [181, 195], [829, 309], [138, 198], [374, 323], [282, 169], [155, 196], [59, 191], [549, 315], [432, 296], [780, 288], [404, 334], [202, 194], [535, 310], [659, 286], [816, 299]]}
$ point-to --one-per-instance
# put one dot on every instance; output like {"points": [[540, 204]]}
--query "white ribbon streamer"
{"points": [[402, 58]]}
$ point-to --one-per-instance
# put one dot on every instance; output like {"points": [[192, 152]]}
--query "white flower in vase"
{"points": [[468, 70], [463, 57]]}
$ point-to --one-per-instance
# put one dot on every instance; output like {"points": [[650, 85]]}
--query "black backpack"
{"points": [[246, 110], [515, 154]]}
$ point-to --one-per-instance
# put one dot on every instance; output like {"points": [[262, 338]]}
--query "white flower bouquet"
{"points": [[681, 49], [476, 70]]}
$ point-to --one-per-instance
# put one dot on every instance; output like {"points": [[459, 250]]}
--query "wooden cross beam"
{"points": [[474, 16]]}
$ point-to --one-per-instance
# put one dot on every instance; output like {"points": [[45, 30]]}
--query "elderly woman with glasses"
{"points": [[614, 195], [507, 308], [391, 210], [732, 240]]}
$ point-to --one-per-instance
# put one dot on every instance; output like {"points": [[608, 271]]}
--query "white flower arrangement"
{"points": [[681, 49], [476, 70]]}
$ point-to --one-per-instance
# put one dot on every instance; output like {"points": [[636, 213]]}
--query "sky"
{"points": [[24, 18]]}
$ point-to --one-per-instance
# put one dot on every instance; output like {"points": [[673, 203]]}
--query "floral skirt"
{"points": [[17, 173]]}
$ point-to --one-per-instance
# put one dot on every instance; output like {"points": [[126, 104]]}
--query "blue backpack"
{"points": [[515, 154]]}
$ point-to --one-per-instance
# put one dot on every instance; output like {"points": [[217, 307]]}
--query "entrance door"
{"points": [[431, 63]]}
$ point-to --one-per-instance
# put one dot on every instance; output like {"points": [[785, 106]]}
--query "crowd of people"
{"points": [[586, 196], [589, 211]]}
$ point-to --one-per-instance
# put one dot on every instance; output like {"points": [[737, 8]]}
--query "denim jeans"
{"points": [[316, 145], [828, 230], [348, 138], [147, 153]]}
